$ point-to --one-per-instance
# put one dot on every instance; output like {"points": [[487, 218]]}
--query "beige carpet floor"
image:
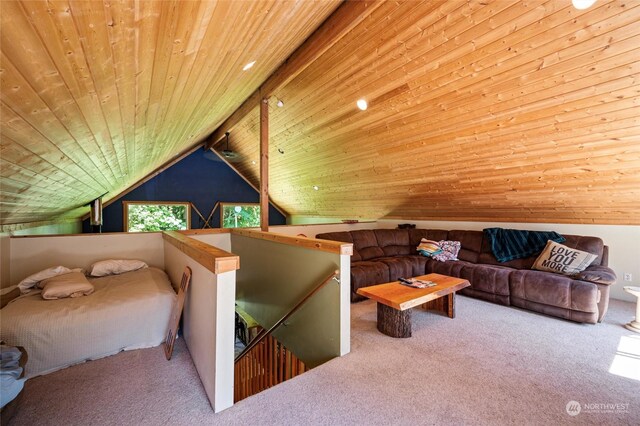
{"points": [[490, 365]]}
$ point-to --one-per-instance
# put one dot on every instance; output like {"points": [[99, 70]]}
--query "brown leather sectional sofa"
{"points": [[384, 255]]}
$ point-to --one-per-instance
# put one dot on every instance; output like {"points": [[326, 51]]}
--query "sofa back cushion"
{"points": [[344, 237], [589, 244], [593, 245], [486, 257], [394, 242], [415, 235], [366, 243], [471, 244]]}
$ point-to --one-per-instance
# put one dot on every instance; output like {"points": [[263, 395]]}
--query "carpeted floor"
{"points": [[490, 365]]}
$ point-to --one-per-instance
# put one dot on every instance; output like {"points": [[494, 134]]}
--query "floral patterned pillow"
{"points": [[449, 251]]}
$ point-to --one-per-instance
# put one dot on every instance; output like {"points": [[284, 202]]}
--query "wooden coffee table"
{"points": [[395, 301]]}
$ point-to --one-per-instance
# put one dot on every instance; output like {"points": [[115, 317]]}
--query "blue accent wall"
{"points": [[201, 178]]}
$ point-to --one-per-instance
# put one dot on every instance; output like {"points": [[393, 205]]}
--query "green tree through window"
{"points": [[240, 215], [157, 217]]}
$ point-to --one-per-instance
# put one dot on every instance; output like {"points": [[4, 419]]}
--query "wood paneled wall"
{"points": [[497, 110], [97, 94]]}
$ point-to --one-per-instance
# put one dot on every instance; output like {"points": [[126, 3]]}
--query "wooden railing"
{"points": [[265, 362]]}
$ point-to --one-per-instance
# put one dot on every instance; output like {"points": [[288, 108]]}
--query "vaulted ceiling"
{"points": [[96, 95], [483, 110]]}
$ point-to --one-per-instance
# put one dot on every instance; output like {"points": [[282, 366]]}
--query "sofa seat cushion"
{"points": [[452, 268], [550, 289], [487, 258], [366, 273], [488, 279], [487, 283], [568, 314]]}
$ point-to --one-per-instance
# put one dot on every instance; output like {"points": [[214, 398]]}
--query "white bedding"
{"points": [[127, 311]]}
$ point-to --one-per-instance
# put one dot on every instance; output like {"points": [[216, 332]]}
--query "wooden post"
{"points": [[264, 164]]}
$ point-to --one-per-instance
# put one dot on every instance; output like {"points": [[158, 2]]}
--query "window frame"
{"points": [[126, 204], [223, 204]]}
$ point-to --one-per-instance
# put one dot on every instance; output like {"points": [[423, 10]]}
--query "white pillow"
{"points": [[115, 266], [73, 284], [32, 280]]}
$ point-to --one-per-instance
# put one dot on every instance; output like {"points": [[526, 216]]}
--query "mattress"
{"points": [[127, 311]]}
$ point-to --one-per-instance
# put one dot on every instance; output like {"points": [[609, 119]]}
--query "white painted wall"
{"points": [[623, 240], [221, 241], [209, 324], [5, 244], [31, 254]]}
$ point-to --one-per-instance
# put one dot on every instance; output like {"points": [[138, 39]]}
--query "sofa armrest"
{"points": [[597, 274]]}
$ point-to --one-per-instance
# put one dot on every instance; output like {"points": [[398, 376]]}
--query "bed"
{"points": [[126, 311]]}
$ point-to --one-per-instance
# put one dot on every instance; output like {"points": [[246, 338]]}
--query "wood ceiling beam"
{"points": [[348, 15], [264, 164]]}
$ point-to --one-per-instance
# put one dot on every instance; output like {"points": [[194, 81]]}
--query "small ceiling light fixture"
{"points": [[582, 4], [249, 65], [362, 104], [315, 187], [253, 162], [227, 153], [280, 103]]}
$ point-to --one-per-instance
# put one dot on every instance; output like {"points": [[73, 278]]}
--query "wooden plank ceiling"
{"points": [[483, 110], [96, 95]]}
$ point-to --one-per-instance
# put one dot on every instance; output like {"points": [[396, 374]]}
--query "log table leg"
{"points": [[393, 322], [445, 304]]}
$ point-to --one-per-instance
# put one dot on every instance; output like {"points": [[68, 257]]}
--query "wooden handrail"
{"points": [[214, 259], [264, 333]]}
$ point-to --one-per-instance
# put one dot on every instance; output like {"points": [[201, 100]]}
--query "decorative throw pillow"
{"points": [[31, 281], [449, 250], [73, 284], [562, 259], [428, 247], [115, 267]]}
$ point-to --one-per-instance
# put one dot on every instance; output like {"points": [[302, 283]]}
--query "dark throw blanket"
{"points": [[509, 244]]}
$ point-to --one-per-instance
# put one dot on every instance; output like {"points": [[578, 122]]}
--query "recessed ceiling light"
{"points": [[249, 65], [315, 187], [253, 162], [280, 103], [582, 4], [362, 104]]}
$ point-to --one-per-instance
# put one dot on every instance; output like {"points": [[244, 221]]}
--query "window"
{"points": [[147, 216], [236, 215]]}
